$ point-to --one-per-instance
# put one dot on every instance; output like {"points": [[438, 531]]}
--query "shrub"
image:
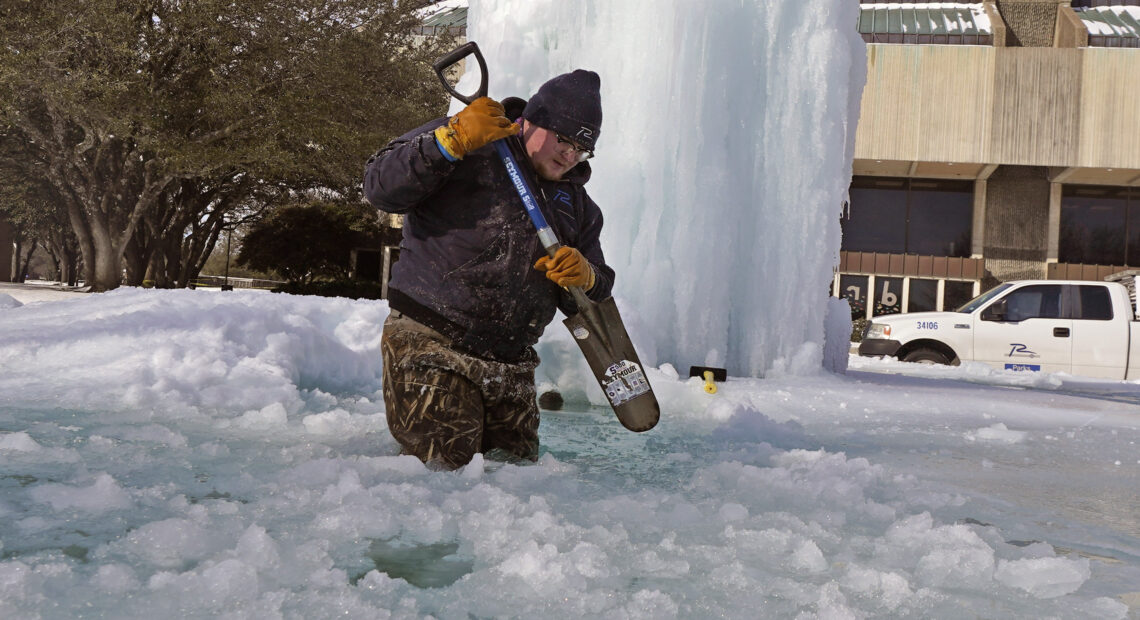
{"points": [[307, 242], [353, 289]]}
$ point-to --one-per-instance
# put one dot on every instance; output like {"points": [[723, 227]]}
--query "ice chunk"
{"points": [[270, 417], [171, 543], [258, 549], [651, 605], [837, 336], [18, 442], [220, 585], [956, 567], [1044, 577], [808, 558], [115, 579], [328, 423], [998, 433], [14, 580], [887, 588], [103, 495]]}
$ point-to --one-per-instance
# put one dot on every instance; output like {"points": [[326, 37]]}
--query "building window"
{"points": [[957, 294], [888, 296], [909, 216], [1100, 225], [923, 295], [888, 21]]}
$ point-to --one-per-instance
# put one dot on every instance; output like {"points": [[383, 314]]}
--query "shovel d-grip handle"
{"points": [[443, 64], [545, 234]]}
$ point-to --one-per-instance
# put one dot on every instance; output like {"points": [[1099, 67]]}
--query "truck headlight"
{"points": [[877, 330]]}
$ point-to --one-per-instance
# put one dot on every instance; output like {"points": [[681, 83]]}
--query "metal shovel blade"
{"points": [[600, 333]]}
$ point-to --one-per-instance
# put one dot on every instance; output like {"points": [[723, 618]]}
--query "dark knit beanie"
{"points": [[571, 105]]}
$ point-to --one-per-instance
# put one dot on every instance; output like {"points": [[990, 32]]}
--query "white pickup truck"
{"points": [[1078, 327]]}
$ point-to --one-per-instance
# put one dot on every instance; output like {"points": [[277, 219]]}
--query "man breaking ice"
{"points": [[469, 297]]}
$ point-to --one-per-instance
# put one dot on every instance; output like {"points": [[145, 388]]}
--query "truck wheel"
{"points": [[926, 356]]}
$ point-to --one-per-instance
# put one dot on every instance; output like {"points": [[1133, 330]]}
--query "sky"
{"points": [[225, 454]]}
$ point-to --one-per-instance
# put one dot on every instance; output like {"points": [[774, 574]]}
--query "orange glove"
{"points": [[480, 123], [567, 268]]}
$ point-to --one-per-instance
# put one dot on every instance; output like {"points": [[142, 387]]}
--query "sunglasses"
{"points": [[583, 152]]}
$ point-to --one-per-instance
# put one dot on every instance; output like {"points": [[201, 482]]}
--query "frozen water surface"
{"points": [[195, 454]]}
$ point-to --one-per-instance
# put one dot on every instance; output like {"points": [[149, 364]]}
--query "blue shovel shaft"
{"points": [[545, 234]]}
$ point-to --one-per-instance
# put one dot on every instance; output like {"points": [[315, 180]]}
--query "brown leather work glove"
{"points": [[483, 121], [567, 268]]}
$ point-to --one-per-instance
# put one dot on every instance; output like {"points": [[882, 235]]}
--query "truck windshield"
{"points": [[981, 300]]}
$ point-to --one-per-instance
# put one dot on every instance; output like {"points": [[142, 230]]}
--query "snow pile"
{"points": [[723, 162], [976, 372], [182, 353]]}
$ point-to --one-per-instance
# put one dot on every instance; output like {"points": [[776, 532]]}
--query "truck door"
{"points": [[1023, 330], [1100, 343]]}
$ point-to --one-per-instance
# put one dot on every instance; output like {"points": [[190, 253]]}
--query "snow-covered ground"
{"points": [[201, 454]]}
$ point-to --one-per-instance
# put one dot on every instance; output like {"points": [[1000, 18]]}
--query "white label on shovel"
{"points": [[624, 381], [581, 333]]}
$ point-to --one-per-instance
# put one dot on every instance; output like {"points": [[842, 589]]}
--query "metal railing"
{"points": [[232, 282]]}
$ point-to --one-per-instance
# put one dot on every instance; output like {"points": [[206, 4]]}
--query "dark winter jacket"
{"points": [[468, 250]]}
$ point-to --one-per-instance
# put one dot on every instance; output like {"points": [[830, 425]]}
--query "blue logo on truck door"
{"points": [[1021, 350]]}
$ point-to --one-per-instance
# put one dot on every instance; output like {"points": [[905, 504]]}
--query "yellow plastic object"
{"points": [[710, 387]]}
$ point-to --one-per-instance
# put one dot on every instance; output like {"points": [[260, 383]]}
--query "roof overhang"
{"points": [[1096, 176], [1121, 177], [921, 169]]}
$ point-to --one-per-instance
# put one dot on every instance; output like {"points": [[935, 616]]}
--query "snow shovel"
{"points": [[597, 328]]}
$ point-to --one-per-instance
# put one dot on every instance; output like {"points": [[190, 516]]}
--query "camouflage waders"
{"points": [[445, 405]]}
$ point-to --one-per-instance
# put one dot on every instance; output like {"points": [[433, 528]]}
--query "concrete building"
{"points": [[997, 140]]}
